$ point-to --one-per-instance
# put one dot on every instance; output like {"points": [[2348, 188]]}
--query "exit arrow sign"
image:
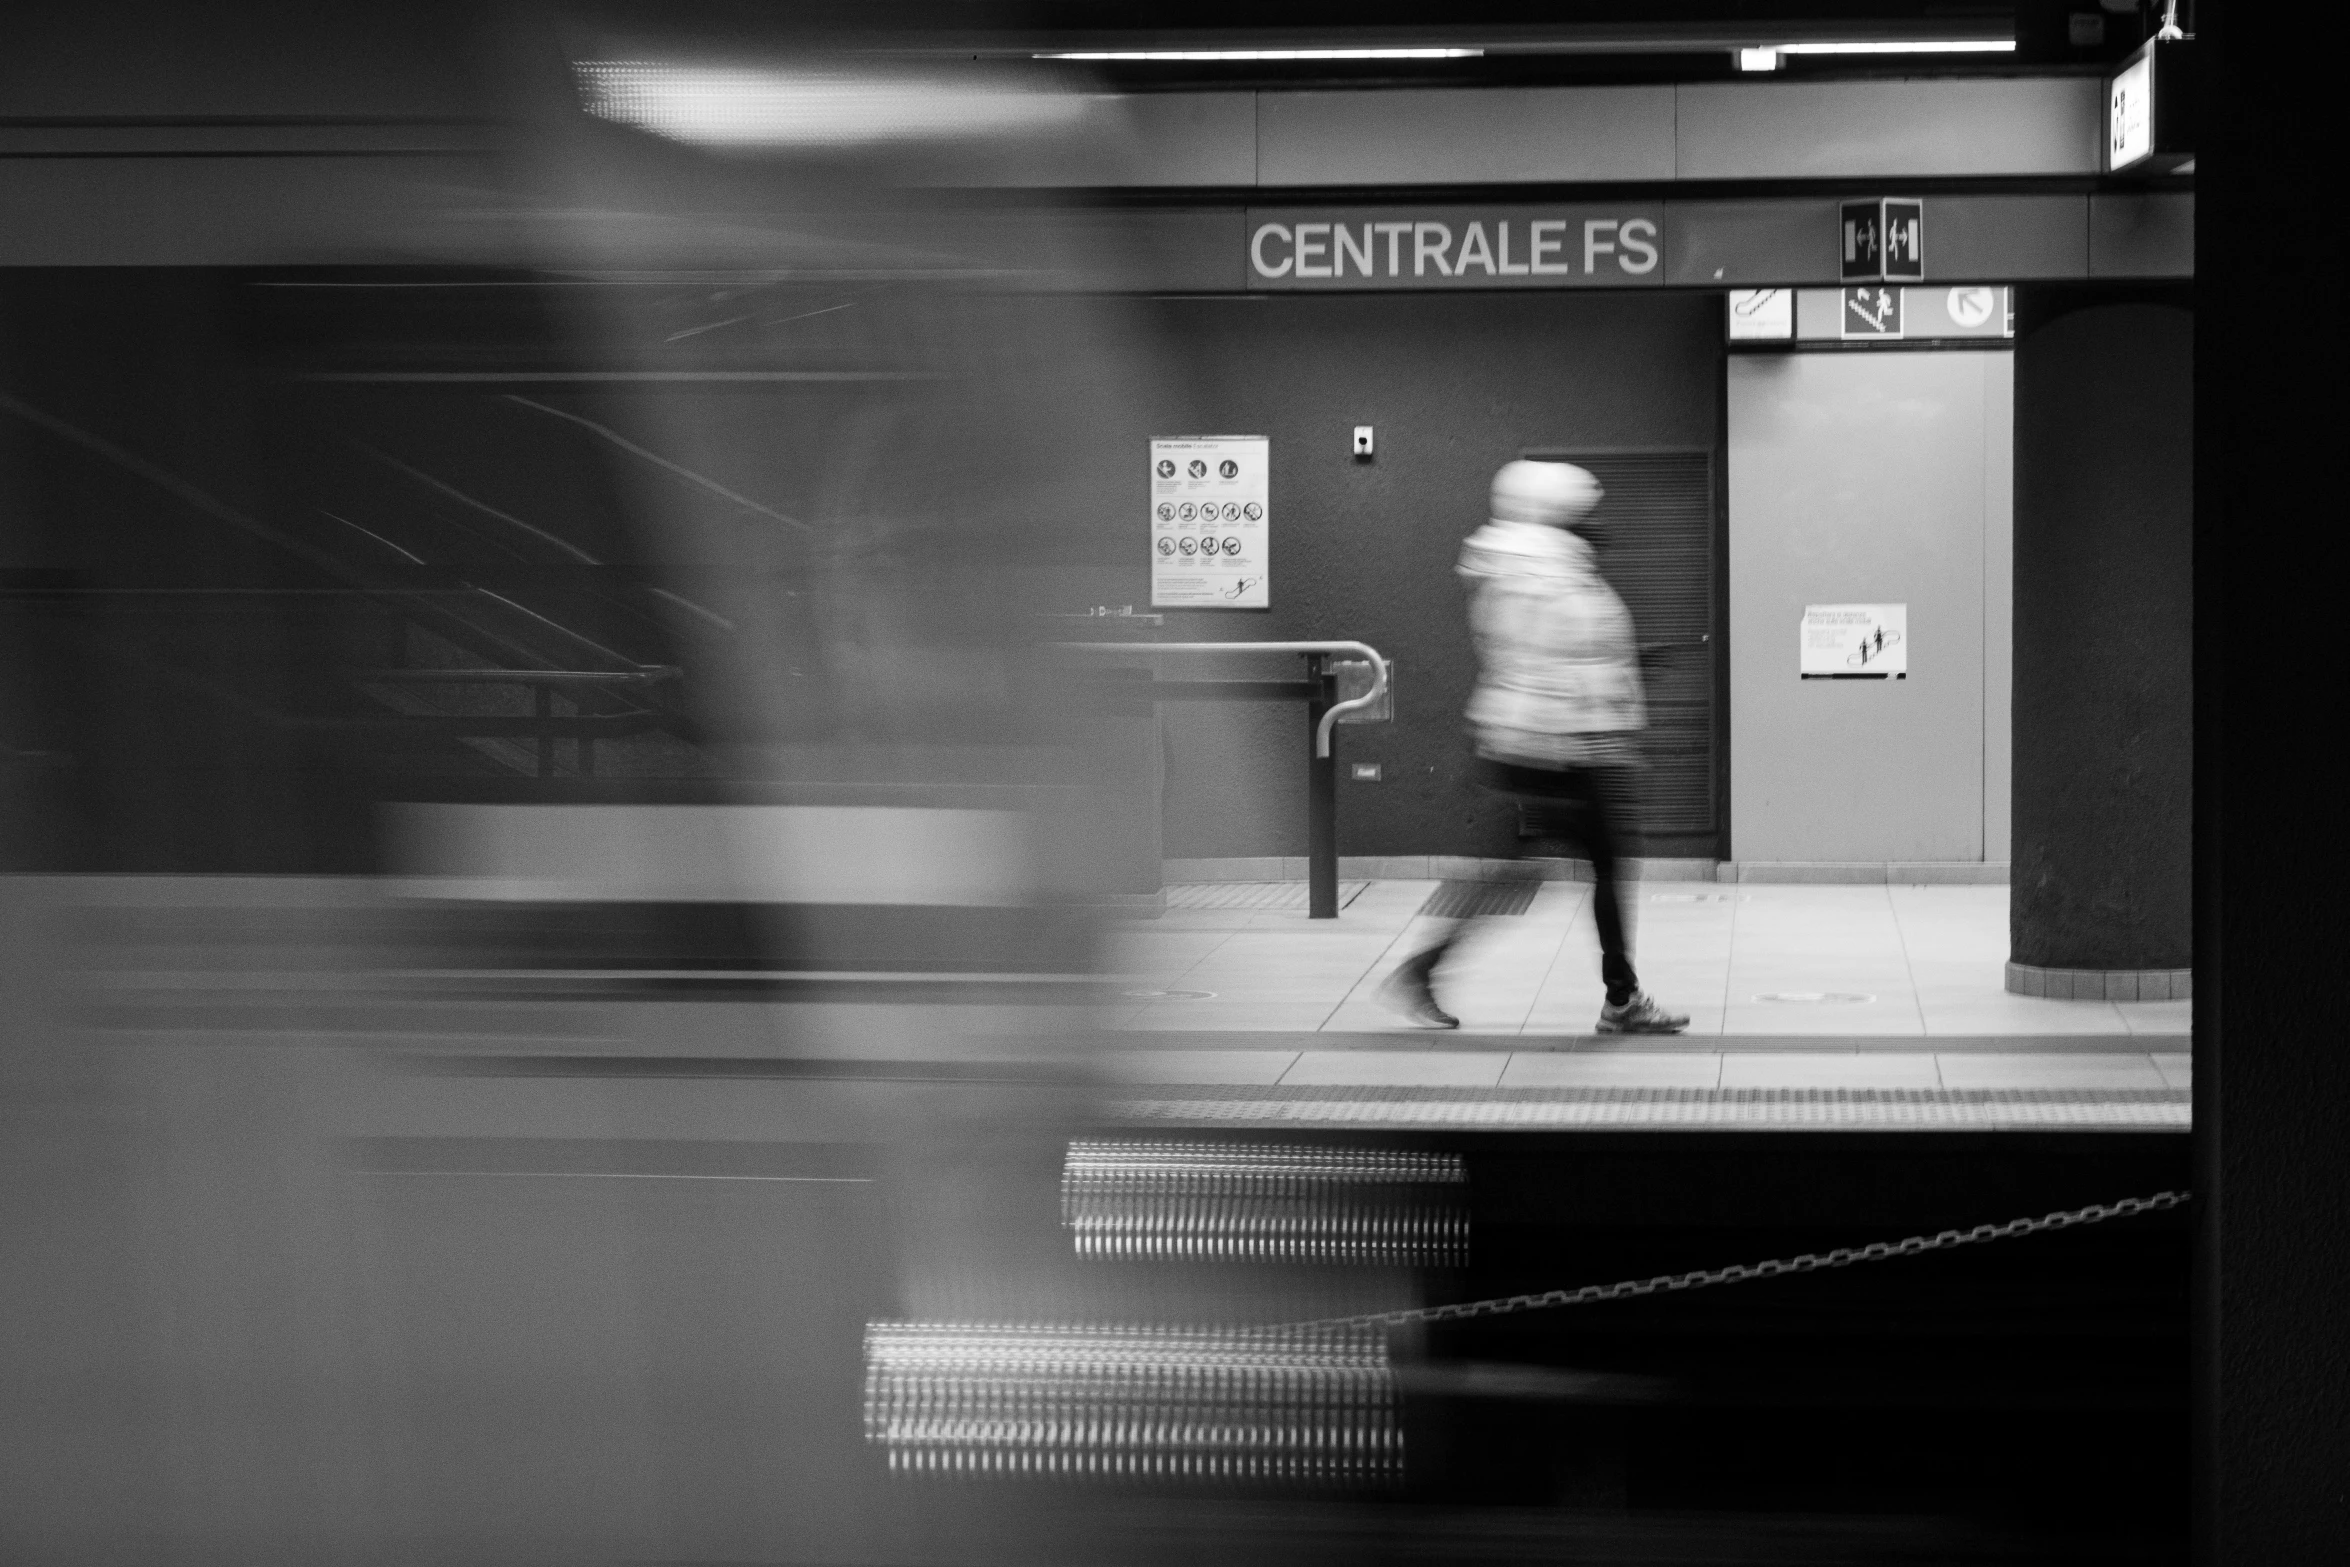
{"points": [[1881, 241]]}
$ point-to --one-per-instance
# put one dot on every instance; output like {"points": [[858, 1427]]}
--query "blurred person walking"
{"points": [[1557, 712]]}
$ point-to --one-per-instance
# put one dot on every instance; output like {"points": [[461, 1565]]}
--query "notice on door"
{"points": [[1855, 642], [1208, 522]]}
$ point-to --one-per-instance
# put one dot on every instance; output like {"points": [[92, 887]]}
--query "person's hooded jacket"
{"points": [[1558, 671]]}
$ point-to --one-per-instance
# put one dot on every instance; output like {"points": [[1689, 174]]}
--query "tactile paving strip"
{"points": [[1461, 900], [1790, 1109], [1252, 894]]}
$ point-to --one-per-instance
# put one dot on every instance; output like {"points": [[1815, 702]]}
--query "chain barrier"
{"points": [[1739, 1273]]}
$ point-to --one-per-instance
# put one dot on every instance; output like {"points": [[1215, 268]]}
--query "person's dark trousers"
{"points": [[1591, 807]]}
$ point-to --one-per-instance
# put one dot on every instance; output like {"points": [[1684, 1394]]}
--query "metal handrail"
{"points": [[1330, 717]]}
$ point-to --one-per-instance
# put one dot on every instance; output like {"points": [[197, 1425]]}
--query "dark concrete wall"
{"points": [[1455, 386], [2104, 615]]}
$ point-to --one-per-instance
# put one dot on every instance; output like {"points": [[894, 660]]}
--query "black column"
{"points": [[2100, 875], [2272, 1074]]}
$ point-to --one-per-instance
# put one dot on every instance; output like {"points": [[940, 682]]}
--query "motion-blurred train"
{"points": [[555, 879]]}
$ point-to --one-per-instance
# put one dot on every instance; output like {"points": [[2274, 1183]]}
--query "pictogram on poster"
{"points": [[1210, 522], [1855, 642]]}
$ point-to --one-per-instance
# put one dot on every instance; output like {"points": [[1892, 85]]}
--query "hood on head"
{"points": [[1550, 493]]}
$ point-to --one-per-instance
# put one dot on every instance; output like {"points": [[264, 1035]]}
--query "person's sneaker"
{"points": [[1407, 991], [1640, 1015]]}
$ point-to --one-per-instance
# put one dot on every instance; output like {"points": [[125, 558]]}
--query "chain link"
{"points": [[1739, 1273]]}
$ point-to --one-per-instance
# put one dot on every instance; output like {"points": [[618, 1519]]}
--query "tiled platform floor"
{"points": [[1271, 997]]}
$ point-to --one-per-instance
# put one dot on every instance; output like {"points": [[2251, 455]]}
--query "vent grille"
{"points": [[1268, 1203], [1660, 559]]}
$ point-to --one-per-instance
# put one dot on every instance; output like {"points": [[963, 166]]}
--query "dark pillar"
{"points": [[2100, 893], [2272, 1073]]}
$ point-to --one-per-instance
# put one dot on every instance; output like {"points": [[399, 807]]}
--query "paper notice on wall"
{"points": [[1855, 642], [1209, 522]]}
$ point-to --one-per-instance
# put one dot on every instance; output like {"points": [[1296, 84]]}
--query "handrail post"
{"points": [[1321, 794], [1323, 712]]}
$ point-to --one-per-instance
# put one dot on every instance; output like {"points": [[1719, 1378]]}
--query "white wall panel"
{"points": [[1142, 141], [1193, 138], [1868, 130], [1461, 136]]}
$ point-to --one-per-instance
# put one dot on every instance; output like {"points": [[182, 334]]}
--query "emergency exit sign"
{"points": [[1881, 241]]}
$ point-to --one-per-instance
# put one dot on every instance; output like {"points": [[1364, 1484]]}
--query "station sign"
{"points": [[2148, 123], [1620, 245], [1881, 241], [2129, 114], [1871, 313], [1209, 522]]}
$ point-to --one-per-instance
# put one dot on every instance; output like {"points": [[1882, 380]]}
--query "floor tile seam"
{"points": [[1910, 962], [1241, 961], [1909, 969], [1729, 965], [1369, 969], [1557, 951], [1224, 941], [1574, 917]]}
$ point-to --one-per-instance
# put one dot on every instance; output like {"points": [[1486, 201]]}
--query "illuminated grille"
{"points": [[1268, 1203], [1283, 1407]]}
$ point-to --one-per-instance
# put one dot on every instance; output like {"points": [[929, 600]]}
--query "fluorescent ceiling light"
{"points": [[1263, 54], [1766, 57], [1907, 46]]}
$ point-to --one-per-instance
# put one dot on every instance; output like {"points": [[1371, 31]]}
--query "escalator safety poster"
{"points": [[1855, 642], [1209, 522]]}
